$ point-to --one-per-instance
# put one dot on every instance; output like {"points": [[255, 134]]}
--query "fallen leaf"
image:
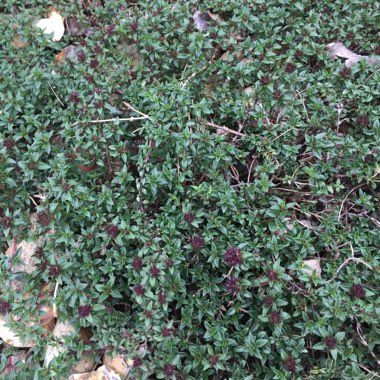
{"points": [[307, 224], [69, 52], [85, 334], [85, 364], [17, 42], [63, 329], [120, 364], [202, 20], [53, 25], [311, 266], [103, 373], [337, 49], [73, 26]]}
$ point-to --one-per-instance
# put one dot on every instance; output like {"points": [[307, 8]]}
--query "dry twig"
{"points": [[224, 129], [132, 118], [364, 342], [345, 262]]}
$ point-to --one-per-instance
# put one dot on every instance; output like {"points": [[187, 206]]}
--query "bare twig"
{"points": [[137, 111], [132, 118], [194, 74], [345, 262], [54, 297], [283, 133], [224, 129], [373, 374], [304, 106], [364, 342], [51, 87], [346, 197], [250, 168], [200, 70], [110, 120]]}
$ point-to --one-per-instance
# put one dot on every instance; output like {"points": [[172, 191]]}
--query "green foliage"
{"points": [[142, 215]]}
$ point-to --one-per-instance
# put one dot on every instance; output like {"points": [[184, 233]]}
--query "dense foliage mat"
{"points": [[180, 235]]}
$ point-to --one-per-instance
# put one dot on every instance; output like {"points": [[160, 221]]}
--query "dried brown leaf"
{"points": [[312, 265], [54, 24], [337, 49]]}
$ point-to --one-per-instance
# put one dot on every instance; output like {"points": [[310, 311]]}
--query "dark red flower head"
{"points": [[81, 56], [74, 97], [189, 217], [275, 317], [154, 271], [98, 104], [8, 143], [43, 218], [272, 275], [94, 63], [232, 285], [148, 313], [98, 49], [112, 230], [345, 73], [358, 291], [363, 120], [330, 342], [166, 332], [5, 307], [168, 370], [290, 364], [162, 298], [134, 26], [265, 80], [290, 67], [213, 359], [137, 362], [110, 29], [197, 242], [169, 263], [298, 54], [277, 94], [54, 270], [268, 301], [233, 257], [137, 263], [139, 289], [84, 311], [6, 222]]}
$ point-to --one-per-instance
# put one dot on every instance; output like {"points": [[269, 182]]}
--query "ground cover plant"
{"points": [[203, 179]]}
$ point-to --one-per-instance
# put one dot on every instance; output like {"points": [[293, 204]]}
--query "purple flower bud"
{"points": [[84, 311], [330, 342], [154, 271], [139, 290], [113, 231], [233, 257], [275, 317], [137, 263], [197, 242], [290, 364], [358, 291], [168, 370], [189, 217]]}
